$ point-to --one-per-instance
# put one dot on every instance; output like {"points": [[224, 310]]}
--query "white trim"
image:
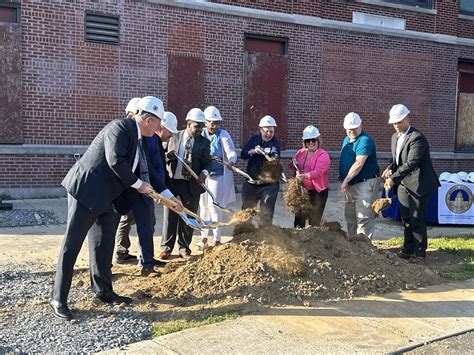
{"points": [[466, 17], [310, 21]]}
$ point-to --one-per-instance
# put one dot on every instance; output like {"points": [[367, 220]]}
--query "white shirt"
{"points": [[178, 173], [167, 193], [400, 140]]}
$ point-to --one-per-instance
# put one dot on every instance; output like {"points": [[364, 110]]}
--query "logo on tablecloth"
{"points": [[459, 198]]}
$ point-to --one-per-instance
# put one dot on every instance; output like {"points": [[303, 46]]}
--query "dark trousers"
{"points": [[412, 212], [175, 226], [318, 200], [143, 214], [101, 228], [265, 194]]}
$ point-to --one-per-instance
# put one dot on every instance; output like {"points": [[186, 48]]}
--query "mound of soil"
{"points": [[297, 197]]}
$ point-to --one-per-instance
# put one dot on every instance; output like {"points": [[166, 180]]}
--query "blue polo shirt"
{"points": [[363, 145]]}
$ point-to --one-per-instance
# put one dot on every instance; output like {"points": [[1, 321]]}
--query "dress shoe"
{"points": [[125, 258], [59, 311], [149, 272], [217, 243], [164, 255], [185, 256], [158, 263], [404, 255], [111, 297]]}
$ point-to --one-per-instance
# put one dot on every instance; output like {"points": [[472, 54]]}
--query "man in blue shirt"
{"points": [[358, 171], [266, 193]]}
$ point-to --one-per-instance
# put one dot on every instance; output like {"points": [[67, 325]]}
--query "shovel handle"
{"points": [[172, 205]]}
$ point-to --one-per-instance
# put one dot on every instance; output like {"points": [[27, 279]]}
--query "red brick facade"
{"points": [[72, 88]]}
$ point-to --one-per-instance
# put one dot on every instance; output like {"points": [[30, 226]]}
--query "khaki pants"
{"points": [[358, 212]]}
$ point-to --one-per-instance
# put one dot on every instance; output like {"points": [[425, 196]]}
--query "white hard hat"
{"points": [[444, 176], [212, 114], [132, 105], [455, 178], [170, 122], [151, 105], [310, 132], [267, 121], [352, 120], [463, 175], [196, 115], [398, 113], [470, 177]]}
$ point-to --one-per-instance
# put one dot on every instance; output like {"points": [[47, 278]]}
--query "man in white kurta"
{"points": [[220, 180]]}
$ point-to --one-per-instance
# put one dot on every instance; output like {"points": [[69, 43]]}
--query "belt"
{"points": [[352, 182]]}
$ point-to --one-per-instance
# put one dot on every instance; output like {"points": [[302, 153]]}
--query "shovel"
{"points": [[195, 222], [381, 204], [236, 170], [204, 186], [261, 151]]}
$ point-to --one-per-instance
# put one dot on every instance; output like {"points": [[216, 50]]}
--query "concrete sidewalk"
{"points": [[375, 324]]}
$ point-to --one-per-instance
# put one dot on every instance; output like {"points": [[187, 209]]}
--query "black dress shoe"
{"points": [[158, 263], [59, 311], [125, 258], [112, 298]]}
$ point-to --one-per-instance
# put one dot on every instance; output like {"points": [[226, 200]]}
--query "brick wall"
{"points": [[71, 89]]}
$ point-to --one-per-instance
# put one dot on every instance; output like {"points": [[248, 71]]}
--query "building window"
{"points": [[9, 12], [466, 7], [264, 44], [99, 28], [426, 4], [465, 114]]}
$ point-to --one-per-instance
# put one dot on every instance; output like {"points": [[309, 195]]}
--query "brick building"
{"points": [[70, 66]]}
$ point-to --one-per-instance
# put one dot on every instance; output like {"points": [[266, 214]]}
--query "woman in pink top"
{"points": [[313, 164]]}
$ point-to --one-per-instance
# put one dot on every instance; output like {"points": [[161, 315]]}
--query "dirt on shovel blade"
{"points": [[381, 204], [271, 172], [297, 197]]}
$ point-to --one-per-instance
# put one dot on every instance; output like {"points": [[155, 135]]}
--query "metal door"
{"points": [[265, 93]]}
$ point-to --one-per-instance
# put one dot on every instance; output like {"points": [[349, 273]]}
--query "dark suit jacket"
{"points": [[103, 175], [415, 169], [201, 158]]}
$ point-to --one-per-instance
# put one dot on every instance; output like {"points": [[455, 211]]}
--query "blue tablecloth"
{"points": [[393, 211]]}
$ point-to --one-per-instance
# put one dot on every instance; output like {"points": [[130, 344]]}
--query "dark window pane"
{"points": [[466, 7], [427, 4], [7, 14]]}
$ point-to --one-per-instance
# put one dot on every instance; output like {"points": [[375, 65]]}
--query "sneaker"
{"points": [[125, 258], [202, 245]]}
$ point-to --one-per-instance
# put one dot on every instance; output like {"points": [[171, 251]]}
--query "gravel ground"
{"points": [[461, 344], [27, 324], [22, 217]]}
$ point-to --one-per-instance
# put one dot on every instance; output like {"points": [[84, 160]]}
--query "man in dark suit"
{"points": [[412, 171], [190, 145], [100, 185]]}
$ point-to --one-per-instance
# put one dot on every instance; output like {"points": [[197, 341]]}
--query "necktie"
{"points": [[144, 175], [187, 156]]}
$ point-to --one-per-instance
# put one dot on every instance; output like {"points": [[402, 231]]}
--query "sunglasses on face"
{"points": [[312, 140]]}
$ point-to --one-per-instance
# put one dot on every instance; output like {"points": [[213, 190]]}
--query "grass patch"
{"points": [[5, 197], [162, 328], [460, 246]]}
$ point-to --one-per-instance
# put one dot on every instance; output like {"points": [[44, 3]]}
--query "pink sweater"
{"points": [[317, 165]]}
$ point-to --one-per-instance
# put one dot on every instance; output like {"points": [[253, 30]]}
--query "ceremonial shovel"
{"points": [[194, 221], [194, 175]]}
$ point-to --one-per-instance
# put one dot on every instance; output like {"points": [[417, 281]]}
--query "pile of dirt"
{"points": [[278, 266]]}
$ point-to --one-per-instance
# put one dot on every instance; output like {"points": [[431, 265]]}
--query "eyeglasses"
{"points": [[312, 140]]}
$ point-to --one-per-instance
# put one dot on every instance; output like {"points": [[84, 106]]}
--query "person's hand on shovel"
{"points": [[201, 178]]}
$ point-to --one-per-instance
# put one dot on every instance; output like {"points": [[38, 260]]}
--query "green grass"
{"points": [[177, 325], [5, 197], [460, 245]]}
